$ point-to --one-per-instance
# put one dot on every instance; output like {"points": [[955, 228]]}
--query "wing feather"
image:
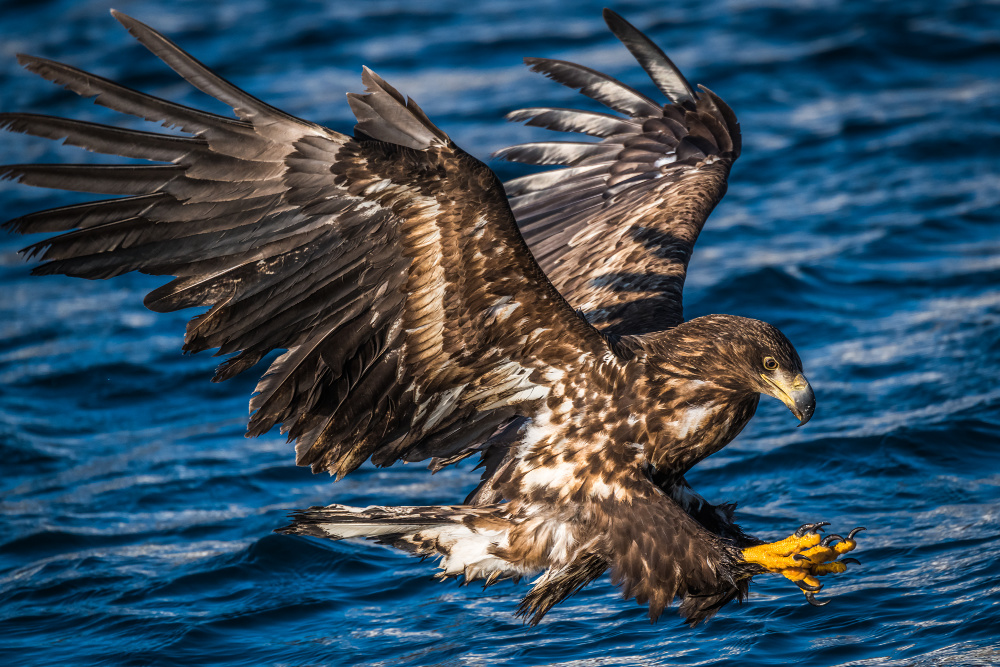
{"points": [[101, 138], [84, 215], [99, 179], [651, 58], [249, 108], [114, 96], [598, 86], [556, 152], [573, 120], [615, 226], [388, 267]]}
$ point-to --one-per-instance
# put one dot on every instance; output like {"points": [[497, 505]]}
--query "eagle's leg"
{"points": [[784, 554], [804, 556]]}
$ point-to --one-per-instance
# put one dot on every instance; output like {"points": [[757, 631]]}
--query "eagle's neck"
{"points": [[693, 423], [687, 411]]}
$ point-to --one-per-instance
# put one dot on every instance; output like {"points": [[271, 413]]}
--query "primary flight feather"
{"points": [[417, 325]]}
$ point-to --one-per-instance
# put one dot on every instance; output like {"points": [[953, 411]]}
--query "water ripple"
{"points": [[861, 219]]}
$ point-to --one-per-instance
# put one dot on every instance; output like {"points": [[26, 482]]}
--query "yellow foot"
{"points": [[804, 556]]}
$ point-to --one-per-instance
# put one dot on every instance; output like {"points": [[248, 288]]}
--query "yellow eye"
{"points": [[770, 364]]}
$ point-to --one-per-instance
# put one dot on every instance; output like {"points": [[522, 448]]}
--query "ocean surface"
{"points": [[136, 520]]}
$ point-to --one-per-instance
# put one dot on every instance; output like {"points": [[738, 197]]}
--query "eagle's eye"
{"points": [[770, 364]]}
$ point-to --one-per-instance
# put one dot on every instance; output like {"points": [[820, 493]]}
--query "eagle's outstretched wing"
{"points": [[388, 266], [614, 228]]}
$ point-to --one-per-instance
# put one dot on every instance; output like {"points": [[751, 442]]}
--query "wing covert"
{"points": [[615, 227], [388, 266]]}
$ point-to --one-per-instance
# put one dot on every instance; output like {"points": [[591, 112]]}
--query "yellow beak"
{"points": [[795, 393]]}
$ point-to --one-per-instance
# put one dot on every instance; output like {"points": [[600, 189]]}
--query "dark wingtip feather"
{"points": [[99, 179], [667, 77], [384, 114], [556, 152], [24, 59], [245, 105], [729, 116], [102, 138], [573, 120], [596, 85], [118, 15], [88, 214], [125, 100]]}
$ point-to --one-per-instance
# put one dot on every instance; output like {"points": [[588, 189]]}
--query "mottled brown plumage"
{"points": [[614, 229], [418, 326]]}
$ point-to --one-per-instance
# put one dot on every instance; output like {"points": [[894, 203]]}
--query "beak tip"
{"points": [[796, 394]]}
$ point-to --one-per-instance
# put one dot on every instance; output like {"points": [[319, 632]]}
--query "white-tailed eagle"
{"points": [[417, 325]]}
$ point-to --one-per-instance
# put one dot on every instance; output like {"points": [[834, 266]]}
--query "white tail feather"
{"points": [[464, 538]]}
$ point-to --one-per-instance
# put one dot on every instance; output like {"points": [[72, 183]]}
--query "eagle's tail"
{"points": [[464, 538]]}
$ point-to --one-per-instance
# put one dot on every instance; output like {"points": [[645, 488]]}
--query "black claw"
{"points": [[807, 528], [813, 602], [830, 538], [801, 557], [854, 532], [850, 560], [808, 588]]}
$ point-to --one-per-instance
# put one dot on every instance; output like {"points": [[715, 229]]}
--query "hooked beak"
{"points": [[795, 393]]}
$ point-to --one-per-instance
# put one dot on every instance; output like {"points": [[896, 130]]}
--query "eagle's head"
{"points": [[739, 354], [771, 366]]}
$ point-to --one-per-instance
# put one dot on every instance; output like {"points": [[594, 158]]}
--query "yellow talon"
{"points": [[824, 552], [849, 544], [798, 574], [829, 568], [778, 556], [802, 557], [821, 554]]}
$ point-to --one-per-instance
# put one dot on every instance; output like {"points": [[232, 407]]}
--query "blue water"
{"points": [[862, 219]]}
